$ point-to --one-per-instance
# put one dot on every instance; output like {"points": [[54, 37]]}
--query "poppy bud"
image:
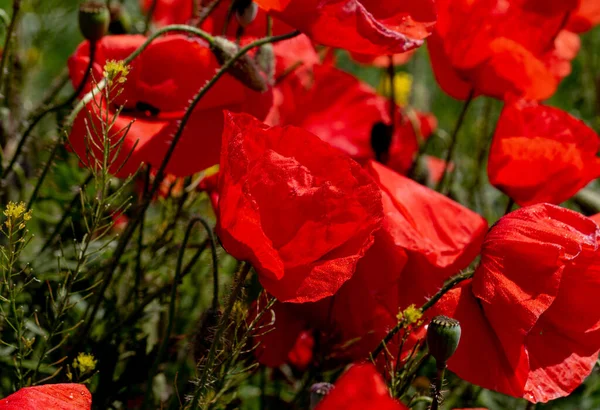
{"points": [[94, 19], [318, 391], [381, 140], [120, 20], [265, 58], [443, 335], [244, 69], [206, 333], [245, 12]]}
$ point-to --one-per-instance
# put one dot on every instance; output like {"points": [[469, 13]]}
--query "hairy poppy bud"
{"points": [[443, 335], [244, 69], [94, 19], [318, 391], [205, 333], [381, 140], [120, 20], [265, 58], [245, 12]]}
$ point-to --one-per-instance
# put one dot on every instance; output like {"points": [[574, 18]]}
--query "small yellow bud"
{"points": [[410, 315], [84, 362]]}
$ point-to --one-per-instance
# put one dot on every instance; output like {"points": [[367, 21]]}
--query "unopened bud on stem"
{"points": [[443, 335]]}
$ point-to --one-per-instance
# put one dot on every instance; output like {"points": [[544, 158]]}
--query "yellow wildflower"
{"points": [[84, 362], [116, 70], [410, 315]]}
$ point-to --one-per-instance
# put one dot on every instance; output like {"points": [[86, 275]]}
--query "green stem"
{"points": [[223, 324], [450, 283], [439, 381], [68, 210], [171, 319], [149, 16], [454, 139], [9, 33]]}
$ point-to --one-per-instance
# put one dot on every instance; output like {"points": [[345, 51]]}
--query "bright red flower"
{"points": [[585, 17], [540, 269], [425, 238], [181, 12], [156, 94], [360, 388], [300, 211], [542, 154], [497, 47], [342, 111], [365, 26], [67, 396], [169, 11]]}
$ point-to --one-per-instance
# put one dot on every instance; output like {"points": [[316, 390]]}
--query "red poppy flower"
{"points": [[585, 17], [539, 269], [169, 11], [161, 82], [425, 238], [558, 60], [300, 211], [497, 48], [342, 111], [181, 12], [67, 396], [365, 26], [542, 154], [360, 388]]}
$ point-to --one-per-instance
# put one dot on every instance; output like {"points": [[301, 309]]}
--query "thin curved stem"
{"points": [[9, 33], [172, 303], [454, 139], [68, 210], [223, 324], [450, 283], [215, 261]]}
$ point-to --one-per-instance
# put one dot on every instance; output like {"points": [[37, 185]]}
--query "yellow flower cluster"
{"points": [[85, 363], [410, 315], [116, 70], [14, 211]]}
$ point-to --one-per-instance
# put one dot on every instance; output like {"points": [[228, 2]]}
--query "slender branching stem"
{"points": [[454, 140]]}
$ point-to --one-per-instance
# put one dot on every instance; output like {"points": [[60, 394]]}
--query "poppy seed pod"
{"points": [[94, 19], [244, 69], [443, 335], [318, 391]]}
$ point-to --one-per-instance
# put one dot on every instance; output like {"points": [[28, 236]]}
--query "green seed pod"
{"points": [[244, 69], [443, 335], [94, 19], [317, 392]]}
